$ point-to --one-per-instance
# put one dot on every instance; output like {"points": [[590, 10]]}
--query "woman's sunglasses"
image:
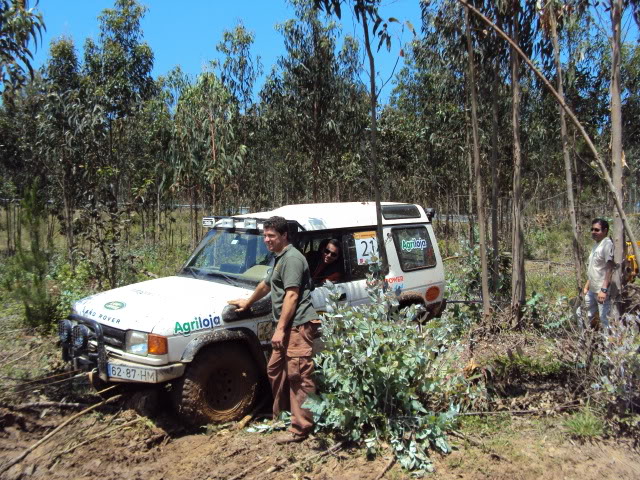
{"points": [[330, 253]]}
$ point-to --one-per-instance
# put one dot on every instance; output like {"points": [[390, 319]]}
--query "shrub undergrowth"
{"points": [[384, 381]]}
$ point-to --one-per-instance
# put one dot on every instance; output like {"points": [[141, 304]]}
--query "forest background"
{"points": [[96, 149], [107, 171]]}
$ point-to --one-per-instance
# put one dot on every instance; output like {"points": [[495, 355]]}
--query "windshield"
{"points": [[230, 256]]}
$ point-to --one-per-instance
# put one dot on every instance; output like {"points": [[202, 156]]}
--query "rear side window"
{"points": [[414, 248], [397, 212]]}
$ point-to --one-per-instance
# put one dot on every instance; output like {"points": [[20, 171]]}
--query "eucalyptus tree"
{"points": [[598, 160], [58, 136], [477, 172], [19, 159], [315, 89], [19, 25], [616, 9], [150, 180], [238, 72], [518, 20], [117, 79], [553, 15], [427, 108], [366, 13], [205, 154]]}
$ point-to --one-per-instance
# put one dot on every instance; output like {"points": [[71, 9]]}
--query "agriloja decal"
{"points": [[198, 323], [414, 244]]}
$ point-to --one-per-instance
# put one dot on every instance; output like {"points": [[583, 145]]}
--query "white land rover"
{"points": [[180, 329]]}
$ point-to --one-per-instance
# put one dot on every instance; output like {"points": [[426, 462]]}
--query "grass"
{"points": [[486, 425], [522, 365], [584, 425]]}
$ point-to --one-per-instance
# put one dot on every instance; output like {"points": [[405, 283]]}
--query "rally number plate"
{"points": [[135, 374]]}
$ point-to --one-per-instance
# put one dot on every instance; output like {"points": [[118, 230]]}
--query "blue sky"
{"points": [[186, 33]]}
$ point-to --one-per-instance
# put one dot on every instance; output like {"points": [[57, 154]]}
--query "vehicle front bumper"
{"points": [[161, 374], [94, 355]]}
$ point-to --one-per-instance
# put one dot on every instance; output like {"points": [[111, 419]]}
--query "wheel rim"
{"points": [[226, 389]]}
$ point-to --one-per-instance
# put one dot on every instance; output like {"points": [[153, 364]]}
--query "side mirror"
{"points": [[431, 212]]}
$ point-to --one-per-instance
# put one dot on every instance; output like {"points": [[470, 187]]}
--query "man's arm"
{"points": [[243, 303], [609, 267], [289, 306]]}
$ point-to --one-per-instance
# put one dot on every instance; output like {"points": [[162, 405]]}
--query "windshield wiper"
{"points": [[191, 270], [230, 280]]}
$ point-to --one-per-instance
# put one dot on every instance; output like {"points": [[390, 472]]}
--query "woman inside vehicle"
{"points": [[327, 262]]}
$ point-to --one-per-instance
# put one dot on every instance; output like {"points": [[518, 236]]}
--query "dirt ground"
{"points": [[117, 443]]}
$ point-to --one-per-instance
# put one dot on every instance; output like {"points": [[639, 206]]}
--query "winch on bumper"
{"points": [[91, 345]]}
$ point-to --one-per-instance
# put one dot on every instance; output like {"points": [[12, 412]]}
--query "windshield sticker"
{"points": [[198, 323], [414, 244], [366, 247], [115, 305]]}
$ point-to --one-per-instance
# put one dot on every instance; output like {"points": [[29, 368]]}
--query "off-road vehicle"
{"points": [[180, 329]]}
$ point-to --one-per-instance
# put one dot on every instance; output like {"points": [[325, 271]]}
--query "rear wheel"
{"points": [[220, 385]]}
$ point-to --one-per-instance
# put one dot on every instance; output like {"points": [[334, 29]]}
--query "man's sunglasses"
{"points": [[595, 229], [330, 253]]}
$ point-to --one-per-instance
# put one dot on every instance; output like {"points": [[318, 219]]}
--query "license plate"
{"points": [[135, 374]]}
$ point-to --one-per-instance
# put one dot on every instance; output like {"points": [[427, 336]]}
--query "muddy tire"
{"points": [[220, 385]]}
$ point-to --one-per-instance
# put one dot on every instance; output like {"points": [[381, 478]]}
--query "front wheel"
{"points": [[220, 385]]}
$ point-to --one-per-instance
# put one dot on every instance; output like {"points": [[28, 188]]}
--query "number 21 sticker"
{"points": [[366, 246]]}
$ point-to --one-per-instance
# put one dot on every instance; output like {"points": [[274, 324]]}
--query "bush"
{"points": [[26, 275], [618, 367], [383, 381], [72, 285]]}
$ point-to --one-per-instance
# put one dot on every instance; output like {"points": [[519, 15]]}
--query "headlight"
{"points": [[79, 337], [64, 331], [137, 342], [142, 343]]}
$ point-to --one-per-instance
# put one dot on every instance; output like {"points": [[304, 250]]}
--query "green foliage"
{"points": [[71, 283], [26, 276], [383, 380], [549, 243], [547, 314], [518, 365], [618, 367], [585, 425], [18, 26], [466, 285]]}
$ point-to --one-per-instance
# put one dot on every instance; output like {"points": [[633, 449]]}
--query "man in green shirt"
{"points": [[290, 367]]}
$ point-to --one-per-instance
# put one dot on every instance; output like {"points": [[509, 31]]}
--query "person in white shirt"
{"points": [[599, 271]]}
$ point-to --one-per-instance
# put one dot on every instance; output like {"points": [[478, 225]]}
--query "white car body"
{"points": [[191, 309]]}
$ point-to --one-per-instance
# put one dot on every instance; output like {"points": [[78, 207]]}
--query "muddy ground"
{"points": [[115, 442]]}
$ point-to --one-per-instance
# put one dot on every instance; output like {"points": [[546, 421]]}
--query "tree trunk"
{"points": [[616, 153], [577, 253], [472, 239], [486, 306], [494, 179], [374, 161], [598, 158], [518, 288]]}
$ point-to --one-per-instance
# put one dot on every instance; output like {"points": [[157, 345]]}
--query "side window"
{"points": [[314, 247], [361, 246], [414, 248]]}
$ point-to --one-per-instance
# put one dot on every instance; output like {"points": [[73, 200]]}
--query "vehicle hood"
{"points": [[161, 306]]}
